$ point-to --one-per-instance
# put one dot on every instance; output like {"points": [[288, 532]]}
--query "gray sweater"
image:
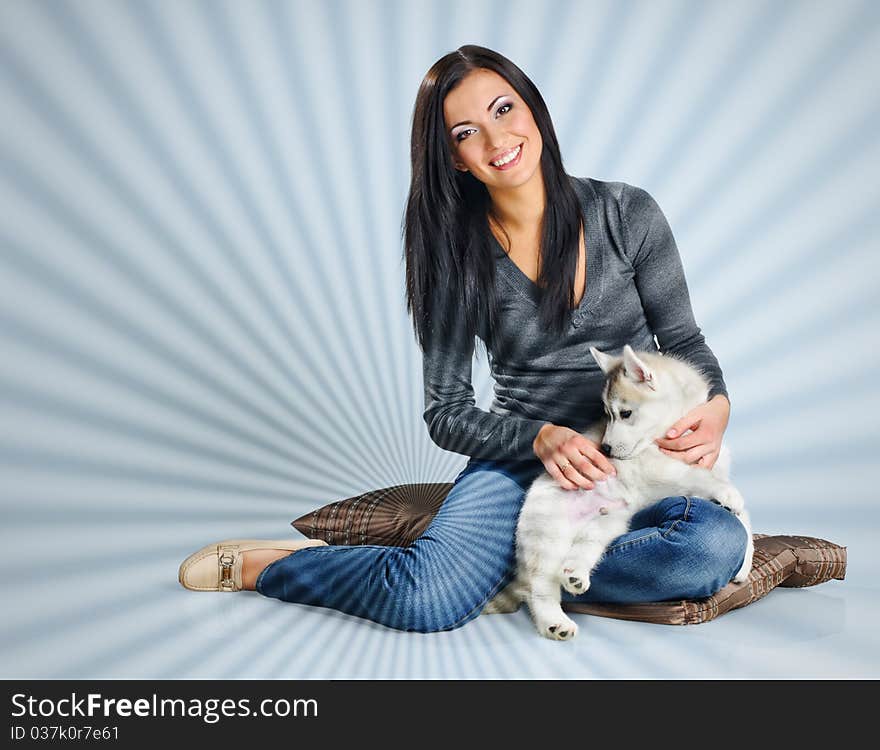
{"points": [[635, 290]]}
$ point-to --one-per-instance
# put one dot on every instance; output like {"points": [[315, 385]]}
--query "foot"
{"points": [[255, 561], [219, 566]]}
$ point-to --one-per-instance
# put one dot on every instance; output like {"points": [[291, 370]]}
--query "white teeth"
{"points": [[510, 157]]}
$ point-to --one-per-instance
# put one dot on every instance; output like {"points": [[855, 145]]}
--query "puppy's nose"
{"points": [[606, 449]]}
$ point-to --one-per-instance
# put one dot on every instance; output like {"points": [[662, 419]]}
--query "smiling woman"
{"points": [[502, 148], [473, 110], [497, 140], [502, 245]]}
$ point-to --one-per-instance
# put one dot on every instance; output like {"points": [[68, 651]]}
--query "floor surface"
{"points": [[131, 619]]}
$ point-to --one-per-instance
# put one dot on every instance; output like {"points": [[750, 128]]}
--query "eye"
{"points": [[626, 413], [506, 106]]}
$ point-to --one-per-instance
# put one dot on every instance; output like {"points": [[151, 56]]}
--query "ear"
{"points": [[636, 369], [606, 361]]}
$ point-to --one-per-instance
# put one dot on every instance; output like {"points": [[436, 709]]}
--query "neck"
{"points": [[520, 209]]}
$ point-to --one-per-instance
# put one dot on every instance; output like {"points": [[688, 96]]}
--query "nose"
{"points": [[494, 137], [606, 449]]}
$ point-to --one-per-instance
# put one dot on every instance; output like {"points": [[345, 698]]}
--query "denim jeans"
{"points": [[679, 548]]}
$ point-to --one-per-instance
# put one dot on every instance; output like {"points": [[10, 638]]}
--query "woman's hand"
{"points": [[570, 458], [701, 447]]}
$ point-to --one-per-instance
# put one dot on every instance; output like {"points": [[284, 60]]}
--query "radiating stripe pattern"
{"points": [[203, 331]]}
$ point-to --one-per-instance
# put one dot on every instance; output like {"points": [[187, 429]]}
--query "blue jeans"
{"points": [[679, 548]]}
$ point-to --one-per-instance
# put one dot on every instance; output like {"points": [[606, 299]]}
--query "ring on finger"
{"points": [[563, 467]]}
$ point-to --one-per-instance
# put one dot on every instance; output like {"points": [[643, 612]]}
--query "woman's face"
{"points": [[486, 120]]}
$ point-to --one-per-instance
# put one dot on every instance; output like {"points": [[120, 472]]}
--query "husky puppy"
{"points": [[561, 534]]}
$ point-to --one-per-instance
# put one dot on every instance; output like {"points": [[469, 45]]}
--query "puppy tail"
{"points": [[507, 600]]}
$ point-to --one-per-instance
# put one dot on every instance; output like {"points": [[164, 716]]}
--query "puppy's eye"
{"points": [[625, 413]]}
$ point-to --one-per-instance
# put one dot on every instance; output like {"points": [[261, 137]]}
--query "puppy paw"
{"points": [[575, 581], [557, 628], [731, 499]]}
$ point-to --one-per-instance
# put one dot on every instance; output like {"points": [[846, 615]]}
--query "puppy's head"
{"points": [[636, 413]]}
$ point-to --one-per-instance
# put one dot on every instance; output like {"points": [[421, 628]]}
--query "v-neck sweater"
{"points": [[635, 291]]}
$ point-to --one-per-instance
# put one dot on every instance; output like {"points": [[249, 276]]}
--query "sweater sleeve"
{"points": [[454, 421], [660, 279]]}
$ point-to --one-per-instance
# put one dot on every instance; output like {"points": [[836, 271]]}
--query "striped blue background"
{"points": [[203, 331]]}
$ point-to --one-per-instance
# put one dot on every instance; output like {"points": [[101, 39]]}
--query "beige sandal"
{"points": [[217, 567]]}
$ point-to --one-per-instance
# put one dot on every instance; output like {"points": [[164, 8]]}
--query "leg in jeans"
{"points": [[441, 581], [679, 548]]}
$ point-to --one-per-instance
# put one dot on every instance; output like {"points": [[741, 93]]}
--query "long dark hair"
{"points": [[450, 267]]}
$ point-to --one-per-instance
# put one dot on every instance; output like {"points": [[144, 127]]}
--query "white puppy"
{"points": [[562, 534]]}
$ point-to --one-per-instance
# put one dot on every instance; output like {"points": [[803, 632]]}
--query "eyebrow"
{"points": [[467, 122]]}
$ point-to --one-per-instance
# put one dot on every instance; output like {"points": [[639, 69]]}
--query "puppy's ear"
{"points": [[606, 361], [636, 369]]}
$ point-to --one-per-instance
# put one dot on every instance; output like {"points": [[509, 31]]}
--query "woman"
{"points": [[503, 245]]}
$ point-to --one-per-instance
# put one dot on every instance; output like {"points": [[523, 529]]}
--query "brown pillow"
{"points": [[787, 561], [395, 516], [398, 515]]}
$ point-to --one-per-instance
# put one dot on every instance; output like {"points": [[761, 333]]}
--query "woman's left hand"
{"points": [[701, 446]]}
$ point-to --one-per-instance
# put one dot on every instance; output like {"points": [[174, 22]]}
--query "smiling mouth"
{"points": [[512, 162]]}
